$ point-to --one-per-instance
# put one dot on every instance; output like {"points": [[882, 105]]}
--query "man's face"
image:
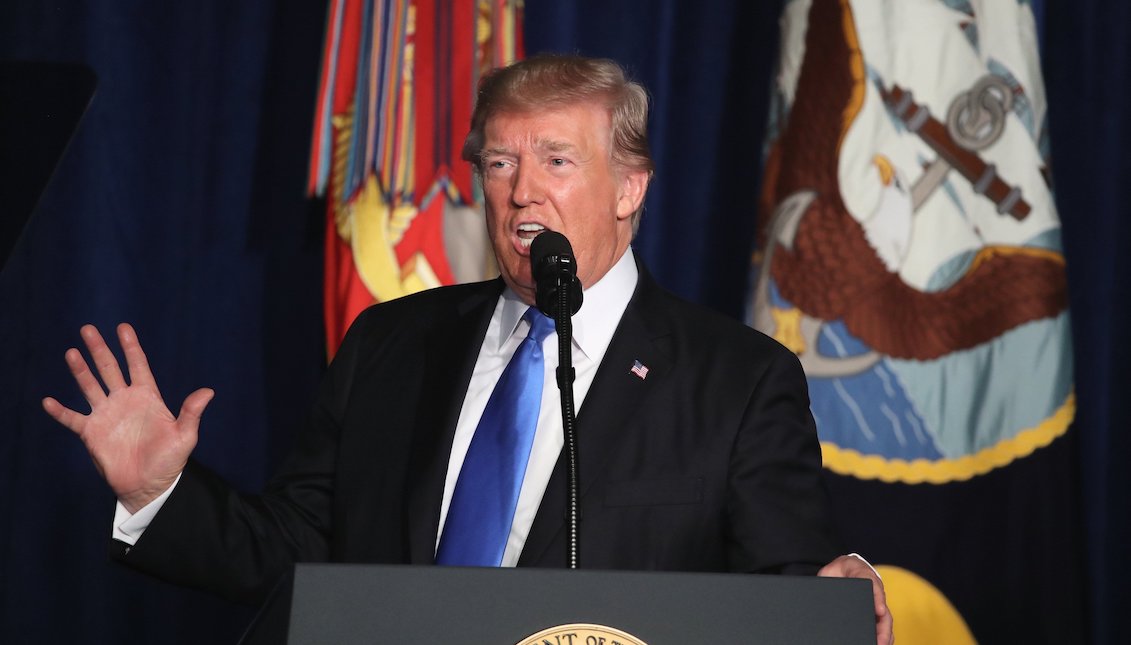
{"points": [[553, 170]]}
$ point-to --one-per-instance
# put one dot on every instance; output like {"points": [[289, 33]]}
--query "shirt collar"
{"points": [[601, 310]]}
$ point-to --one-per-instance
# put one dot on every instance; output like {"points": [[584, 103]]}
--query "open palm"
{"points": [[136, 443]]}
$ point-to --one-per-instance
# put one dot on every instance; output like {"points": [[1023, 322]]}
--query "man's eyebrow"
{"points": [[544, 145], [556, 146]]}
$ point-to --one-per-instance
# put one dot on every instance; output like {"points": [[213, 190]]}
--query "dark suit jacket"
{"points": [[710, 463]]}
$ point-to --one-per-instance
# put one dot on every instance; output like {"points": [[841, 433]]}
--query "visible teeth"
{"points": [[527, 233]]}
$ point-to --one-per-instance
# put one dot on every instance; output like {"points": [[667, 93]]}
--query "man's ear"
{"points": [[633, 186]]}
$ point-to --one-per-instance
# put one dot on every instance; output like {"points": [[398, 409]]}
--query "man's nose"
{"points": [[528, 187]]}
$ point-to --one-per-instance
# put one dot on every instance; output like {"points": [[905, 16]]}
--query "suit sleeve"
{"points": [[777, 504], [211, 537]]}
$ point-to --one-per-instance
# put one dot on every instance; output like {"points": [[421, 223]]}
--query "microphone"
{"points": [[558, 295], [554, 267]]}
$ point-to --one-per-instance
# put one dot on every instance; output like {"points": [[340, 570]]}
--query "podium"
{"points": [[347, 604]]}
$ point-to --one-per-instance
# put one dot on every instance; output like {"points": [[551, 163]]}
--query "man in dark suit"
{"points": [[697, 446]]}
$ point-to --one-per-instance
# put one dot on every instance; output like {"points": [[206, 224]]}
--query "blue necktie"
{"points": [[486, 493]]}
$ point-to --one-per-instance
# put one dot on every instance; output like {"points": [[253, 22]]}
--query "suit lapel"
{"points": [[613, 400], [448, 365]]}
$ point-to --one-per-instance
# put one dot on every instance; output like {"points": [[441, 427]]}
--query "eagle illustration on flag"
{"points": [[909, 253], [909, 244]]}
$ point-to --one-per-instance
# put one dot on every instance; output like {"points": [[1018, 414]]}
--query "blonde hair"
{"points": [[548, 80]]}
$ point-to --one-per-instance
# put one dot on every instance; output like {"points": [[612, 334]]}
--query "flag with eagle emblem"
{"points": [[909, 253]]}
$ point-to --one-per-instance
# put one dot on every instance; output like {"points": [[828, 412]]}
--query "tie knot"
{"points": [[541, 325]]}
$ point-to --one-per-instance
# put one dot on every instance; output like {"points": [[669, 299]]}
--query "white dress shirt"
{"points": [[593, 328]]}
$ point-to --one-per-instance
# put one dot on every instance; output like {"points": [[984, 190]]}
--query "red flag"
{"points": [[394, 102]]}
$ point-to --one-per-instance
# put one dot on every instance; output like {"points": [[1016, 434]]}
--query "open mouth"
{"points": [[527, 233]]}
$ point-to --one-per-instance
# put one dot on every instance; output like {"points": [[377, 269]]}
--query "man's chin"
{"points": [[528, 295], [525, 290]]}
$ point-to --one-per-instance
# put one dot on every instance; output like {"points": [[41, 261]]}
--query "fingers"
{"points": [[89, 386], [193, 408], [885, 634], [104, 360], [138, 364], [853, 566], [108, 369], [884, 626], [107, 364], [64, 415]]}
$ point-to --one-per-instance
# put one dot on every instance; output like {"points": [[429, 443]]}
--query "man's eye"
{"points": [[557, 161]]}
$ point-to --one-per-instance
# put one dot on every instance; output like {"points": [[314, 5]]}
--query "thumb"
{"points": [[193, 408]]}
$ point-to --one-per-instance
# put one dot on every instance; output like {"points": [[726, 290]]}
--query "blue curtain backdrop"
{"points": [[179, 207]]}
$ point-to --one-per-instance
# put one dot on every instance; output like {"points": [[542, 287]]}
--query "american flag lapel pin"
{"points": [[639, 369]]}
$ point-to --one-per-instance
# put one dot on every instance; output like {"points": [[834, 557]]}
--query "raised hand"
{"points": [[137, 445]]}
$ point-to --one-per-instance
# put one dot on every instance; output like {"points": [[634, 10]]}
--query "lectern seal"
{"points": [[581, 634]]}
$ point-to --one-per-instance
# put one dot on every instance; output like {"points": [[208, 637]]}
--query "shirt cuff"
{"points": [[129, 527]]}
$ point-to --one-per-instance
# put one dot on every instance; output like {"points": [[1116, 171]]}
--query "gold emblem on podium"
{"points": [[581, 634]]}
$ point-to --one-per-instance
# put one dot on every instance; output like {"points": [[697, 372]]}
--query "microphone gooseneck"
{"points": [[558, 295]]}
